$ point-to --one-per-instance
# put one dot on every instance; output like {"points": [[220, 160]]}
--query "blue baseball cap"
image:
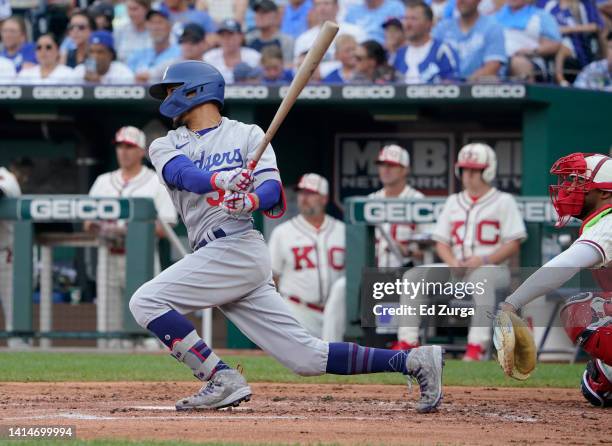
{"points": [[165, 14], [229, 26], [244, 72], [102, 37]]}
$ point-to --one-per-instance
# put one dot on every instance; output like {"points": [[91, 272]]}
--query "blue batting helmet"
{"points": [[197, 82]]}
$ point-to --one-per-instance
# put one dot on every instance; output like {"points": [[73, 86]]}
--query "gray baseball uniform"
{"points": [[233, 270]]}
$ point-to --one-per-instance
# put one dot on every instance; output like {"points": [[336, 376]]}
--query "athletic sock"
{"points": [[180, 336], [347, 358]]}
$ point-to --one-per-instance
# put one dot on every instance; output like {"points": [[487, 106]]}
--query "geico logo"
{"points": [[74, 209], [418, 212], [66, 93], [10, 92], [498, 91], [126, 92], [369, 92], [246, 92], [433, 91], [309, 92]]}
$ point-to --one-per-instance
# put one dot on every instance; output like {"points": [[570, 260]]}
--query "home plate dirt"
{"points": [[310, 413]]}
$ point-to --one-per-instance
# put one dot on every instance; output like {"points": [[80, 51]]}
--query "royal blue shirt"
{"points": [[484, 42], [371, 20], [440, 63], [27, 53], [295, 20]]}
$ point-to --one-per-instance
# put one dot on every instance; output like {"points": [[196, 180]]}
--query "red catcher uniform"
{"points": [[308, 260]]}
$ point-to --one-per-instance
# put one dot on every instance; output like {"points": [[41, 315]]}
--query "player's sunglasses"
{"points": [[79, 27], [47, 47]]}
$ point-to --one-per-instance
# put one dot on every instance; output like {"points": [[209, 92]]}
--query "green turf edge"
{"points": [[74, 367]]}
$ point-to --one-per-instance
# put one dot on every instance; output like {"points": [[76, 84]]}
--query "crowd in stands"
{"points": [[565, 42]]}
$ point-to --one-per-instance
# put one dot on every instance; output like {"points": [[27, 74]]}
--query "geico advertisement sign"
{"points": [[73, 209], [9, 92], [246, 92], [309, 92], [368, 92], [58, 92], [119, 92], [417, 212]]}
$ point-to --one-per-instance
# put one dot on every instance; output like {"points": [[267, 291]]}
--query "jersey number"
{"points": [[216, 201]]}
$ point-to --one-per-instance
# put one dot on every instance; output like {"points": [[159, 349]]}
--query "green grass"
{"points": [[35, 366]]}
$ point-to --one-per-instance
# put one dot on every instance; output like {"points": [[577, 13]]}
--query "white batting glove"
{"points": [[235, 180], [239, 204]]}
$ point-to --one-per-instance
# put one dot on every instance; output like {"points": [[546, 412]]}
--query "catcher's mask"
{"points": [[578, 174]]}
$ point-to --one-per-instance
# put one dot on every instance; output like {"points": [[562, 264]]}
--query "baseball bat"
{"points": [[316, 52]]}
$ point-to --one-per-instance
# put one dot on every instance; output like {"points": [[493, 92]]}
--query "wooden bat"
{"points": [[316, 52]]}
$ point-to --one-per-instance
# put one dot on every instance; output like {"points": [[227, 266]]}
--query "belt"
{"points": [[312, 306], [217, 233]]}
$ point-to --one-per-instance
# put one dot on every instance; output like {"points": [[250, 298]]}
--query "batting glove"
{"points": [[235, 180], [239, 204]]}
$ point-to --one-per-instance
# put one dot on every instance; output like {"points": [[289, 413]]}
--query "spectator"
{"points": [[531, 35], [133, 35], [315, 78], [296, 17], [231, 52], [327, 10], [394, 38], [439, 9], [101, 66], [371, 15], [103, 14], [220, 10], [372, 66], [346, 45], [193, 46], [246, 74], [7, 70], [477, 39], [597, 75], [267, 33], [424, 59], [49, 70], [144, 61], [14, 40], [578, 21], [79, 31], [180, 14], [5, 9], [274, 70]]}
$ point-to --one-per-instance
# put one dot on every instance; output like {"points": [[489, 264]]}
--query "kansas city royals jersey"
{"points": [[479, 228], [225, 147]]}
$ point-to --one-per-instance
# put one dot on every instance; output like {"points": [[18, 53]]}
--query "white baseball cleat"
{"points": [[425, 364], [227, 388]]}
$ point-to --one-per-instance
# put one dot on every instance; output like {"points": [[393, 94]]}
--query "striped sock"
{"points": [[202, 351], [347, 358]]}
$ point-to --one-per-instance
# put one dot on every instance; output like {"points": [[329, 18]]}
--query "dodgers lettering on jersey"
{"points": [[145, 184], [224, 148], [10, 188], [307, 260], [479, 228], [401, 233]]}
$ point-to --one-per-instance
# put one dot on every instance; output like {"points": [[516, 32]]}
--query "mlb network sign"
{"points": [[73, 209]]}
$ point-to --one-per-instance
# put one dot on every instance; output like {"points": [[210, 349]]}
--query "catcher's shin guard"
{"points": [[596, 385]]}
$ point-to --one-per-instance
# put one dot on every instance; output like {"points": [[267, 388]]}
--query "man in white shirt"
{"points": [[326, 10], [307, 254], [101, 66], [9, 187], [231, 52], [132, 179], [7, 70]]}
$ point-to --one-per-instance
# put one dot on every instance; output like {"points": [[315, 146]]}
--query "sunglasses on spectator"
{"points": [[79, 27], [360, 57], [47, 47]]}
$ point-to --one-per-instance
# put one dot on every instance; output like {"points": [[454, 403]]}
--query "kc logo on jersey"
{"points": [[225, 159], [487, 232], [304, 257]]}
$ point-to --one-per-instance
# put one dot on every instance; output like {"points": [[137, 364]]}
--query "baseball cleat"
{"points": [[227, 388], [425, 365]]}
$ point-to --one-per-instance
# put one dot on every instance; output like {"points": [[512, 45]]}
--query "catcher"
{"points": [[584, 191]]}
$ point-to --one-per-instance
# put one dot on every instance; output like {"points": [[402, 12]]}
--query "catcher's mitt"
{"points": [[516, 350]]}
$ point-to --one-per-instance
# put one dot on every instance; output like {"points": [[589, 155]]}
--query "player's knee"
{"points": [[305, 369], [140, 306]]}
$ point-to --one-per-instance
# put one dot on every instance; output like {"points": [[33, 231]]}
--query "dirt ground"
{"points": [[311, 413]]}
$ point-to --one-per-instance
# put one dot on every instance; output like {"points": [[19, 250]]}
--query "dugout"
{"points": [[332, 130]]}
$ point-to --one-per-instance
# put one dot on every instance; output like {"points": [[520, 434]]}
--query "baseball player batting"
{"points": [[584, 191], [478, 228], [203, 164]]}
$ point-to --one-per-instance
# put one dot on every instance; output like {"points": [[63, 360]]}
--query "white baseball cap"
{"points": [[314, 183], [130, 135], [393, 154]]}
